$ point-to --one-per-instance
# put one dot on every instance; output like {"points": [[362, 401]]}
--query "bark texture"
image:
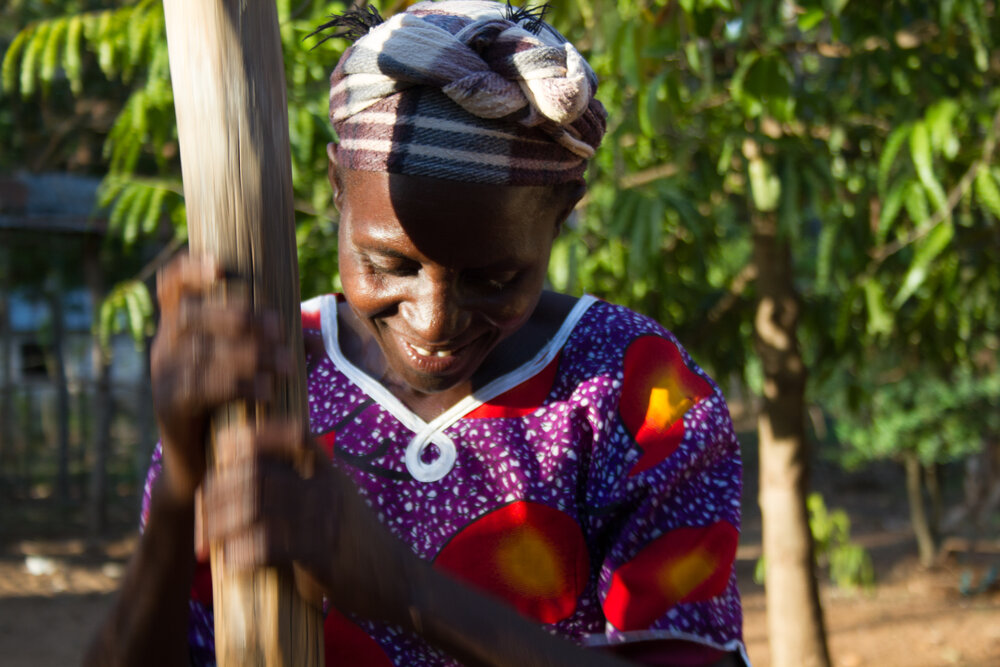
{"points": [[232, 119], [922, 529], [6, 371], [62, 393], [100, 360], [794, 616]]}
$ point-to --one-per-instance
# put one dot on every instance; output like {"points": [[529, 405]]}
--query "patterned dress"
{"points": [[595, 489]]}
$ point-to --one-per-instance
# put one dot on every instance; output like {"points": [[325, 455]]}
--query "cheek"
{"points": [[515, 310], [362, 291]]}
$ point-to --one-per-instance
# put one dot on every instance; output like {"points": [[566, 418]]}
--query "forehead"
{"points": [[462, 222]]}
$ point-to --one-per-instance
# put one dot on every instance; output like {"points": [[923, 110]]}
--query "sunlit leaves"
{"points": [[927, 250], [987, 192], [127, 308]]}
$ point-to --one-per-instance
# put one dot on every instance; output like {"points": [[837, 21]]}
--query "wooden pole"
{"points": [[229, 93]]}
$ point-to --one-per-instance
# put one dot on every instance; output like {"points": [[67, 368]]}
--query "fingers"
{"points": [[277, 439], [188, 274], [252, 510], [258, 474]]}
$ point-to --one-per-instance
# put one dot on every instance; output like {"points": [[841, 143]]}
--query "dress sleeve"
{"points": [[201, 626], [667, 478]]}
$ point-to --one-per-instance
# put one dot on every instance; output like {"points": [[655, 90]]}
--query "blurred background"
{"points": [[807, 193]]}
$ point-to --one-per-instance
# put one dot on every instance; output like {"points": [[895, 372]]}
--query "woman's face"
{"points": [[440, 272]]}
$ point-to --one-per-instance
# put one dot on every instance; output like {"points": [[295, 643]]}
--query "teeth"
{"points": [[427, 353]]}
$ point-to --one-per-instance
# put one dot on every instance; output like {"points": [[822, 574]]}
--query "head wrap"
{"points": [[469, 91]]}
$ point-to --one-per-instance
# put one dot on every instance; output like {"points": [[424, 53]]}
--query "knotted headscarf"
{"points": [[455, 89]]}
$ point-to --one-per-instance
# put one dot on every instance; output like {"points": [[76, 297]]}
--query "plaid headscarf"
{"points": [[455, 89]]}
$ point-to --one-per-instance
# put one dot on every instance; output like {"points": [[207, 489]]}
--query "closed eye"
{"points": [[392, 267]]}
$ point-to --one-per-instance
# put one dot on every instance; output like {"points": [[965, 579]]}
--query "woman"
{"points": [[506, 460]]}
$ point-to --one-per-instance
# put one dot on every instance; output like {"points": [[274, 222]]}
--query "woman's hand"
{"points": [[276, 500], [209, 350]]}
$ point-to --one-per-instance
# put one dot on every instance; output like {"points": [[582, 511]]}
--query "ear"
{"points": [[333, 174]]}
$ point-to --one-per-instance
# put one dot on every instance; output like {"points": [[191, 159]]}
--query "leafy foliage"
{"points": [[868, 129], [941, 418]]}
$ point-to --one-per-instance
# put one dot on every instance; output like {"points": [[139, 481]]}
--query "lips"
{"points": [[430, 353], [436, 360]]}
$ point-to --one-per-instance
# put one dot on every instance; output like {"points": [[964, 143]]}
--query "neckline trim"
{"points": [[426, 432]]}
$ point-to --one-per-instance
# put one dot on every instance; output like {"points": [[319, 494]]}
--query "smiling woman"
{"points": [[518, 477]]}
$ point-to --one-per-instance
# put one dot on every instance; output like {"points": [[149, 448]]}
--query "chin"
{"points": [[431, 384]]}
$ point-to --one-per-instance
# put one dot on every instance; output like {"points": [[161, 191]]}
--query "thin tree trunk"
{"points": [[144, 418], [101, 364], [794, 615], [926, 547], [932, 478], [98, 519], [232, 120], [6, 371], [62, 395], [84, 409]]}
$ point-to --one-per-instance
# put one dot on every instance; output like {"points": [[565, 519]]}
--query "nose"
{"points": [[434, 312]]}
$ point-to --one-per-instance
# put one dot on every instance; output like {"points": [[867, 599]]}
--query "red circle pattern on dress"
{"points": [[523, 399], [345, 643], [658, 388], [685, 565], [530, 555]]}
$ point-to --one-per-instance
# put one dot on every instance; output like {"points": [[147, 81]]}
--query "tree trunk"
{"points": [[232, 119], [102, 399], [84, 410], [6, 372], [62, 394], [794, 616], [932, 477], [144, 417], [104, 409], [926, 546]]}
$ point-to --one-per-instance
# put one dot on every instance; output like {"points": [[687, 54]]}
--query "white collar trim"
{"points": [[433, 431]]}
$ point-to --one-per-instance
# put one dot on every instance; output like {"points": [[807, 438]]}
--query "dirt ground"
{"points": [[53, 592]]}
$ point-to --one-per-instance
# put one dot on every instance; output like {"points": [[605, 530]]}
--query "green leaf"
{"points": [[765, 185], [10, 59], [136, 212], [133, 309], [891, 206], [106, 319], [824, 256], [889, 152], [927, 250], [880, 318], [29, 73], [987, 192], [920, 152], [121, 208], [915, 200], [940, 122], [105, 45], [71, 61], [50, 58], [153, 210], [737, 86], [810, 19]]}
